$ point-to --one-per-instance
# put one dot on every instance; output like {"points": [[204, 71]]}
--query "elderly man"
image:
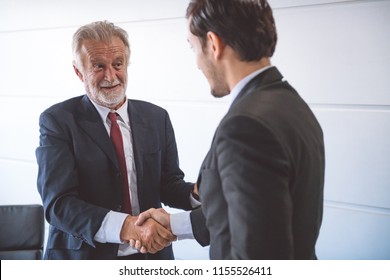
{"points": [[104, 158]]}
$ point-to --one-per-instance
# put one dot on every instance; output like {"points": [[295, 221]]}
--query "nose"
{"points": [[109, 74]]}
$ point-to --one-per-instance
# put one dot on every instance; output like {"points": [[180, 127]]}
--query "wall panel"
{"points": [[19, 122], [47, 14], [353, 233], [39, 64], [163, 65], [357, 155], [334, 52], [194, 126], [18, 183]]}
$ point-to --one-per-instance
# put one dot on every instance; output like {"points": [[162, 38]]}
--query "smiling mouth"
{"points": [[111, 87]]}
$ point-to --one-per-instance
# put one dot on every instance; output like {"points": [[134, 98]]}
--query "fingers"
{"points": [[128, 231], [144, 216], [153, 237], [159, 215], [132, 243], [150, 232], [152, 250], [162, 236], [143, 250], [136, 244]]}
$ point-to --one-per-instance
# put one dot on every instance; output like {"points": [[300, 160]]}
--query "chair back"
{"points": [[22, 230]]}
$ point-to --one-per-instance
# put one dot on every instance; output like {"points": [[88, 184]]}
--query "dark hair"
{"points": [[247, 26]]}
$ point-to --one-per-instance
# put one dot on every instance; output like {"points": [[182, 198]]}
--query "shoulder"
{"points": [[147, 110], [140, 104], [67, 105]]}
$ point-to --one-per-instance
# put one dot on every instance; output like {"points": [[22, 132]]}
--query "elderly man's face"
{"points": [[104, 72]]}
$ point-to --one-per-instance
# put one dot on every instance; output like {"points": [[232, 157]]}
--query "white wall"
{"points": [[334, 52]]}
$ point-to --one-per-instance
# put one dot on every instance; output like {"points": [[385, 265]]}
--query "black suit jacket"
{"points": [[261, 184], [79, 177]]}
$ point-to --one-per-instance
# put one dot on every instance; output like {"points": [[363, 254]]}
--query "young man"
{"points": [[261, 184]]}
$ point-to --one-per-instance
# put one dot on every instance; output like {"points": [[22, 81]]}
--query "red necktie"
{"points": [[117, 141]]}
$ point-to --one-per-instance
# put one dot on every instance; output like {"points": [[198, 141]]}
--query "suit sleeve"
{"points": [[255, 173], [58, 183], [199, 229]]}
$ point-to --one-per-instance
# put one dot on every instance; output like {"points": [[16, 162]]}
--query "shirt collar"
{"points": [[103, 111], [241, 84]]}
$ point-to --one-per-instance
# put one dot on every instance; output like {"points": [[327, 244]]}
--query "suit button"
{"points": [[118, 174], [119, 208]]}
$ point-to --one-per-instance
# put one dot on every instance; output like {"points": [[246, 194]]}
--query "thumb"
{"points": [[143, 217]]}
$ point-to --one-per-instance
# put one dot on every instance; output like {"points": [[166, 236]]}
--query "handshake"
{"points": [[150, 232]]}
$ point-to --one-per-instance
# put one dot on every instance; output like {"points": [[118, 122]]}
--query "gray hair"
{"points": [[98, 31]]}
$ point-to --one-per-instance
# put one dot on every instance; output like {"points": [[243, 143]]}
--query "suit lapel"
{"points": [[89, 120], [138, 133]]}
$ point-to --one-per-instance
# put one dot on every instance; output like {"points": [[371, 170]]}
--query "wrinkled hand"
{"points": [[159, 215], [151, 235]]}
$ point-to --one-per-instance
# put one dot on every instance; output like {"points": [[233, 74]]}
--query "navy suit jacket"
{"points": [[261, 184], [79, 177]]}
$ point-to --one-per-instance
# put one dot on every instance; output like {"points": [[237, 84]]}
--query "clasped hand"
{"points": [[150, 232]]}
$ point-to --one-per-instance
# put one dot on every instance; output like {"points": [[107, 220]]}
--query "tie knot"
{"points": [[112, 117]]}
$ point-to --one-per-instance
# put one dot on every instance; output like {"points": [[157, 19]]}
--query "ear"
{"points": [[78, 73], [216, 44]]}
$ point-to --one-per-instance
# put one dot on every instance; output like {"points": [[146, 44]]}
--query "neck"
{"points": [[120, 104], [238, 70]]}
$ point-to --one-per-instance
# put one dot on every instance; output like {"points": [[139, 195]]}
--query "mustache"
{"points": [[109, 84]]}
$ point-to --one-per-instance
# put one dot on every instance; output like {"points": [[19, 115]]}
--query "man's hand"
{"points": [[196, 190], [158, 215], [152, 236]]}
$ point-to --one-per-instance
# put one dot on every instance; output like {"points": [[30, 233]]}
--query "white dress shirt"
{"points": [[113, 221]]}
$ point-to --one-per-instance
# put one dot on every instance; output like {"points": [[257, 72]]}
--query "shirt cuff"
{"points": [[181, 225], [194, 202], [109, 231]]}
